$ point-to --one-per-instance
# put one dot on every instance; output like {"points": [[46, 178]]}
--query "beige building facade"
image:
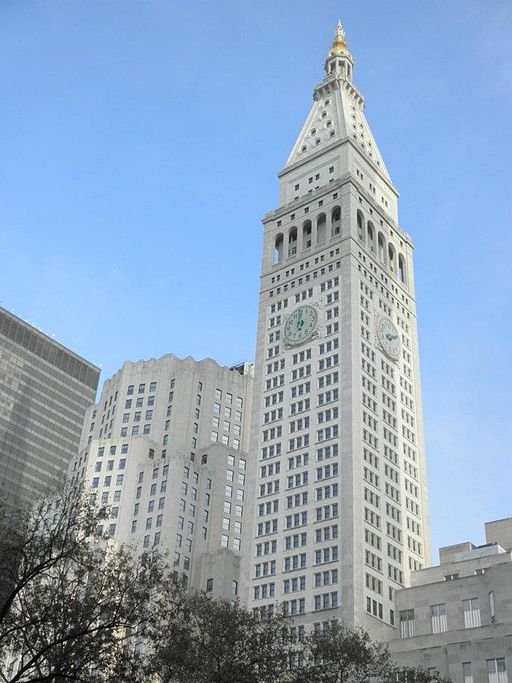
{"points": [[341, 506], [166, 449], [456, 618]]}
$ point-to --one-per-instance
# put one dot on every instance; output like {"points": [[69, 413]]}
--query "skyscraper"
{"points": [[341, 509], [44, 391], [166, 448]]}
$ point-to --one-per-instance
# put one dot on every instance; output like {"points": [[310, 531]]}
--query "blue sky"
{"points": [[139, 146]]}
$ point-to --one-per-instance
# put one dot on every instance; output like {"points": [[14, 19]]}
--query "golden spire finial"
{"points": [[339, 44]]}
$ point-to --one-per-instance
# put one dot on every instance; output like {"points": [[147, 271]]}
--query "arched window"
{"points": [[335, 221], [381, 247], [392, 264], [401, 268], [360, 225], [278, 249], [371, 236], [292, 242], [320, 228], [307, 229]]}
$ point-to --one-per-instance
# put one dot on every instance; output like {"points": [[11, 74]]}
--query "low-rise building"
{"points": [[456, 617]]}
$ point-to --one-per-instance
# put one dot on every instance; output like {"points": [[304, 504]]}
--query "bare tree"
{"points": [[71, 601]]}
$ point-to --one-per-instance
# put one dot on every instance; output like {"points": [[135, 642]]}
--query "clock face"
{"points": [[388, 338], [300, 325]]}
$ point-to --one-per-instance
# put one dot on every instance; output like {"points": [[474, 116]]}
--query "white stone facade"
{"points": [[166, 448], [341, 508], [456, 618]]}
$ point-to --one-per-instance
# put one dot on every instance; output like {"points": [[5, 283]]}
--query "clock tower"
{"points": [[341, 507]]}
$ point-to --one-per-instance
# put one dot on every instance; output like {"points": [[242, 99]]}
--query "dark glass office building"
{"points": [[44, 391]]}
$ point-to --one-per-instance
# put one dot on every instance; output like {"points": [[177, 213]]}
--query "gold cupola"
{"points": [[339, 60]]}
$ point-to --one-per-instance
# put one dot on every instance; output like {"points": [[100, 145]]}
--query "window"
{"points": [[471, 611], [467, 672], [209, 585], [130, 390], [497, 671], [492, 607], [224, 540], [142, 388], [438, 618], [407, 624], [152, 386]]}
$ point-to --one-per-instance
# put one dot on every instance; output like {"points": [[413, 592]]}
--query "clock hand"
{"points": [[300, 322]]}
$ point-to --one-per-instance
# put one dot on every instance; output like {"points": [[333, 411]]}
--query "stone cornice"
{"points": [[331, 83]]}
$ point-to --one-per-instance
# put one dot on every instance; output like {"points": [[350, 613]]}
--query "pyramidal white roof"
{"points": [[338, 112]]}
